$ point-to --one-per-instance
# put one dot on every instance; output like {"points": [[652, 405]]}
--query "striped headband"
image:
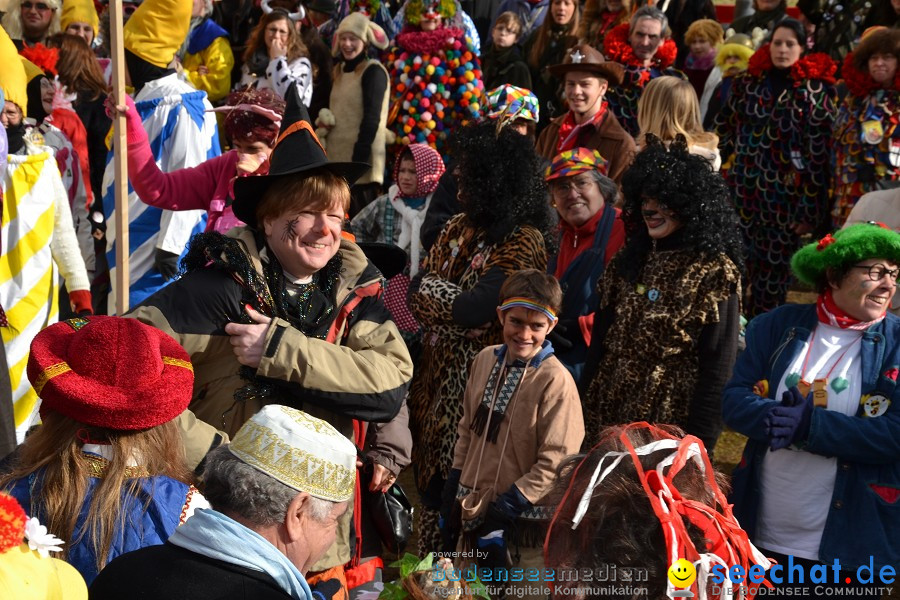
{"points": [[530, 305]]}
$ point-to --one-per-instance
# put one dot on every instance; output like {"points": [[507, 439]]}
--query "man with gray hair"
{"points": [[647, 52], [277, 491]]}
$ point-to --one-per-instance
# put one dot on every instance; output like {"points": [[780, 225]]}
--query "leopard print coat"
{"points": [[650, 365], [455, 264]]}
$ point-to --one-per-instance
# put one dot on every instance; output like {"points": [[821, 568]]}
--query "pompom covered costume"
{"points": [[623, 99], [775, 148], [436, 85], [866, 139]]}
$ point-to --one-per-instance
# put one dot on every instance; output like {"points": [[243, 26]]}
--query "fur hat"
{"points": [[360, 26], [110, 372], [853, 244], [79, 11], [738, 45]]}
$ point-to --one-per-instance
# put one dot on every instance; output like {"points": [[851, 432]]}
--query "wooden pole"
{"points": [[120, 159]]}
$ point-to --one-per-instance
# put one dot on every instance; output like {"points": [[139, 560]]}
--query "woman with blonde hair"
{"points": [[599, 17], [106, 469], [669, 107], [276, 57]]}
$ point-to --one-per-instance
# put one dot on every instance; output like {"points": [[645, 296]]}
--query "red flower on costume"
{"points": [[12, 523], [860, 83], [892, 373], [825, 242], [617, 48], [812, 66]]}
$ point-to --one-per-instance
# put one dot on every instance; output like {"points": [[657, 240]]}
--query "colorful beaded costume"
{"points": [[866, 139], [775, 146], [435, 86]]}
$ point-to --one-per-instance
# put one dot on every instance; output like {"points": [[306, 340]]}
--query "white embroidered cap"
{"points": [[298, 450]]}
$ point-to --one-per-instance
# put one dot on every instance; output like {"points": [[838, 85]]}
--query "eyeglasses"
{"points": [[37, 6], [562, 187], [505, 30], [878, 271]]}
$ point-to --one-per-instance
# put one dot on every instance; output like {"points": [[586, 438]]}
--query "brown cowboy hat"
{"points": [[585, 58]]}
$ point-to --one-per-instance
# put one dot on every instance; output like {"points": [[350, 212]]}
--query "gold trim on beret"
{"points": [[300, 451]]}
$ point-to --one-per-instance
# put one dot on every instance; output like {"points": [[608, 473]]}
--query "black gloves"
{"points": [[501, 516], [565, 335], [166, 263], [450, 522]]}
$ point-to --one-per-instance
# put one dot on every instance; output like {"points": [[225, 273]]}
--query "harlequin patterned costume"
{"points": [[435, 86], [455, 264], [623, 99], [861, 163], [775, 153]]}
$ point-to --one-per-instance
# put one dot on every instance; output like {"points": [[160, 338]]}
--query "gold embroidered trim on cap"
{"points": [[48, 374], [260, 447], [177, 362]]}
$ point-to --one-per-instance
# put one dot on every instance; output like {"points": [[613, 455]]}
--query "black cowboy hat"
{"points": [[585, 58], [297, 151]]}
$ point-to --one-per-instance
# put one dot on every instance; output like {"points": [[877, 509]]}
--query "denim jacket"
{"points": [[864, 517]]}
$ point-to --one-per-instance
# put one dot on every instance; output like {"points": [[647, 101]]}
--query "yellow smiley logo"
{"points": [[682, 573]]}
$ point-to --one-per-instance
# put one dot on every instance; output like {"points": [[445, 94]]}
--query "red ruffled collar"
{"points": [[816, 65], [42, 56], [861, 84], [617, 48], [417, 41]]}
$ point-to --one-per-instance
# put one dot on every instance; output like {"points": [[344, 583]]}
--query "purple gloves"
{"points": [[788, 422]]}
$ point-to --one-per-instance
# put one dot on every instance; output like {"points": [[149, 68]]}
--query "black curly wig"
{"points": [[687, 185], [500, 183]]}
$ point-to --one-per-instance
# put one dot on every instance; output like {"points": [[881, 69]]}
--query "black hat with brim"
{"points": [[297, 151], [390, 259]]}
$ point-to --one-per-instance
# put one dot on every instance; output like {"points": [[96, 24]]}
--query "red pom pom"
{"points": [[12, 523]]}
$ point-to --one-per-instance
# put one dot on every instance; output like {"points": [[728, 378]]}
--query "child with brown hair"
{"points": [[521, 418], [503, 62]]}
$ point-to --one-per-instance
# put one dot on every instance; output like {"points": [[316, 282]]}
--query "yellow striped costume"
{"points": [[37, 235]]}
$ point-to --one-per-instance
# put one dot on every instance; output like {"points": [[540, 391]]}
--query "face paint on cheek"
{"points": [[289, 234], [867, 285]]}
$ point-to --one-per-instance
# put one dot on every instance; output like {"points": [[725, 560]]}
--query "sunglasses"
{"points": [[36, 6]]}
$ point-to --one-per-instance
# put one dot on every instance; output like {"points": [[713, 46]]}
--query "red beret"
{"points": [[110, 372]]}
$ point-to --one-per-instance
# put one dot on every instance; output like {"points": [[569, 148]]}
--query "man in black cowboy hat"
{"points": [[287, 310], [588, 124]]}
